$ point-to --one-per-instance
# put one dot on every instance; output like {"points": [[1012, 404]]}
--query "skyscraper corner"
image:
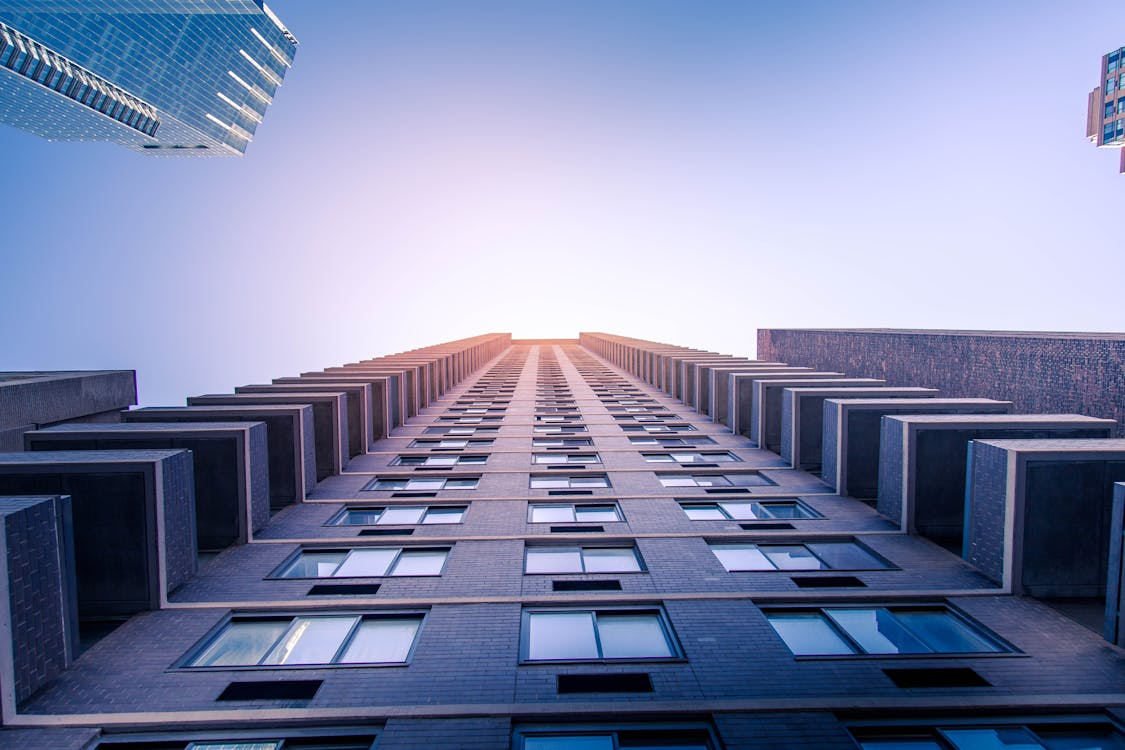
{"points": [[162, 78]]}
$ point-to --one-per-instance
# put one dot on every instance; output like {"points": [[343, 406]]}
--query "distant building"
{"points": [[1105, 116], [163, 77]]}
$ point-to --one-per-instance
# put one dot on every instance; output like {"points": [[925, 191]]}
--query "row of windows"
{"points": [[588, 634], [554, 426], [554, 481], [735, 510], [976, 734], [553, 442], [684, 457], [376, 562]]}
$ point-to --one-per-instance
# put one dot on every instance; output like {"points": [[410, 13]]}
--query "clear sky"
{"points": [[682, 171]]}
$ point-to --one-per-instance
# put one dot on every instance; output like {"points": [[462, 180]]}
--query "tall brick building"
{"points": [[589, 543]]}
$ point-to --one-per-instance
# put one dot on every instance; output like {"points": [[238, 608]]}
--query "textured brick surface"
{"points": [[1080, 373]]}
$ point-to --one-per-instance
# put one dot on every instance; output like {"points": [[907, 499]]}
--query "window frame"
{"points": [[277, 574], [221, 627], [570, 478], [758, 542], [641, 567], [468, 459], [596, 729], [1003, 647], [334, 520], [811, 513], [930, 728], [727, 457], [531, 505], [670, 638], [370, 486]]}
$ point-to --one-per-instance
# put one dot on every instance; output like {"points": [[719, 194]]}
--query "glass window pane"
{"points": [[626, 636], [780, 510], [561, 635], [586, 742], [271, 745], [441, 461], [792, 557], [552, 513], [461, 484], [747, 480], [610, 560], [1012, 738], [808, 633], [547, 483], [588, 482], [381, 641], [366, 562], [1081, 739], [390, 484], [845, 556], [424, 484], [945, 633], [314, 565], [704, 513], [893, 744], [712, 480], [394, 515], [420, 563], [554, 560], [741, 557], [353, 517], [678, 481], [242, 643], [742, 511], [596, 513], [311, 640], [877, 631], [443, 515]]}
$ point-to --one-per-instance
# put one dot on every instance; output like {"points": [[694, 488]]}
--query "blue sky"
{"points": [[681, 171]]}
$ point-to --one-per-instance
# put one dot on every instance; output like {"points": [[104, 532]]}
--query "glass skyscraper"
{"points": [[183, 77]]}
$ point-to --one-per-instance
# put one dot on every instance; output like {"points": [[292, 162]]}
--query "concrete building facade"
{"points": [[547, 549]]}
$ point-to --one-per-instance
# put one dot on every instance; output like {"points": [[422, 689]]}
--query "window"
{"points": [[249, 641], [460, 431], [555, 418], [748, 511], [657, 427], [554, 513], [561, 442], [468, 420], [396, 515], [581, 560], [691, 457], [321, 738], [879, 630], [380, 484], [365, 562], [661, 417], [552, 482], [650, 738], [1001, 735], [745, 479], [556, 429], [604, 634], [808, 556], [455, 443], [671, 442], [458, 460], [566, 458]]}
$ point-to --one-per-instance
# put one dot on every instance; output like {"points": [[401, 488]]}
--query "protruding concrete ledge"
{"points": [[29, 400], [802, 418], [689, 376], [740, 395], [922, 462], [360, 418], [1037, 514], [850, 453], [395, 380], [407, 381], [38, 604], [717, 405], [383, 397], [330, 421], [230, 460], [289, 440], [765, 405], [134, 521], [1115, 577]]}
